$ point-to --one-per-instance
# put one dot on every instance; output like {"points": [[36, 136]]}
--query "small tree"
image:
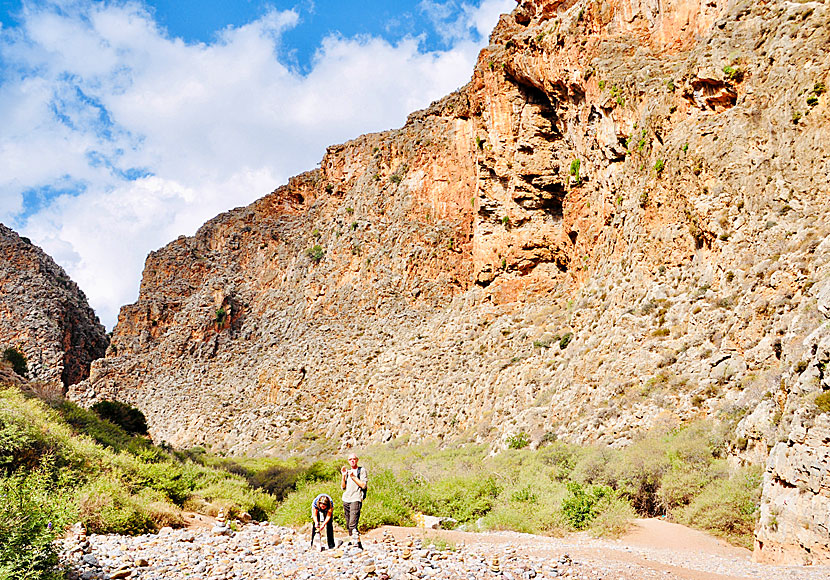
{"points": [[125, 416], [17, 360], [575, 164], [518, 441], [316, 252]]}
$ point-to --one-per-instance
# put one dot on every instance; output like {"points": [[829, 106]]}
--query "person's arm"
{"points": [[329, 513], [344, 471]]}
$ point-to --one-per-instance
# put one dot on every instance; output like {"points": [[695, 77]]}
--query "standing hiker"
{"points": [[354, 483], [322, 510]]}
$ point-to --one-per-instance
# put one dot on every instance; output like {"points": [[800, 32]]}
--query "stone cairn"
{"points": [[221, 528]]}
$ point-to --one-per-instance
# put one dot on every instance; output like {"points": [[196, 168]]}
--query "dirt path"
{"points": [[653, 549]]}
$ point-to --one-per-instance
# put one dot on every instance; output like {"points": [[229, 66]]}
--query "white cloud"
{"points": [[163, 135]]}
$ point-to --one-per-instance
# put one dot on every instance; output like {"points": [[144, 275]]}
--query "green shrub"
{"points": [[17, 359], [316, 252], [565, 340], [234, 495], [583, 504], [728, 507], [679, 487], [387, 504], [125, 416], [518, 441], [659, 165], [522, 518], [464, 498], [85, 421], [32, 514], [107, 507], [575, 170], [176, 483], [613, 518], [277, 480], [221, 315], [22, 446]]}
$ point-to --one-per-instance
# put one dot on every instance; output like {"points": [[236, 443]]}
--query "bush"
{"points": [[125, 416], [518, 441], [107, 507], [32, 515], [277, 480], [21, 445], [581, 506], [728, 507], [233, 495], [84, 421], [17, 359], [387, 505], [613, 518], [464, 498], [823, 402], [316, 253], [679, 487], [575, 164]]}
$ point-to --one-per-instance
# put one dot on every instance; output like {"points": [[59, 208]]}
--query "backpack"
{"points": [[365, 491]]}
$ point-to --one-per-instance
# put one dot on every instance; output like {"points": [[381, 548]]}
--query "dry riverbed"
{"points": [[654, 549]]}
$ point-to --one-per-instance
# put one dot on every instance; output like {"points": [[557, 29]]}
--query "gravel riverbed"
{"points": [[267, 552]]}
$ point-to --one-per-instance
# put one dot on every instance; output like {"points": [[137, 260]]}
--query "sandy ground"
{"points": [[653, 549]]}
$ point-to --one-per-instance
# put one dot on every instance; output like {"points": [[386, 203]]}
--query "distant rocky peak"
{"points": [[44, 315]]}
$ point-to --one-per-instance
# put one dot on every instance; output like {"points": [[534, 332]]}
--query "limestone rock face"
{"points": [[795, 513], [620, 223], [45, 315]]}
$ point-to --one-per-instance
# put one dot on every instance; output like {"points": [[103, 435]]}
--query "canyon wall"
{"points": [[45, 316], [620, 224]]}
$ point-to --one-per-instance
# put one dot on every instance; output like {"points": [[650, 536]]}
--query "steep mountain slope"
{"points": [[619, 224], [45, 316]]}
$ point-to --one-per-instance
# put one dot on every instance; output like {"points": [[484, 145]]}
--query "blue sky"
{"points": [[124, 124]]}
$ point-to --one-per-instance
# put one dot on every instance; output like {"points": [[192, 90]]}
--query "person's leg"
{"points": [[347, 515], [356, 515], [330, 533]]}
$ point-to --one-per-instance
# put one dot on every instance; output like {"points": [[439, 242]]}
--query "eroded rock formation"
{"points": [[620, 223], [45, 316]]}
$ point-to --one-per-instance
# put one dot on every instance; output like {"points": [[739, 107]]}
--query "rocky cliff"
{"points": [[45, 316], [619, 224]]}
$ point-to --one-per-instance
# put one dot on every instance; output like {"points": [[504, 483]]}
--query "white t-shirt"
{"points": [[353, 491]]}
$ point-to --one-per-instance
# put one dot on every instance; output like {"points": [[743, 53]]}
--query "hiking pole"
{"points": [[313, 530]]}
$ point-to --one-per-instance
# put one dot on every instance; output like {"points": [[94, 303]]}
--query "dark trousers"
{"points": [[329, 531], [352, 513]]}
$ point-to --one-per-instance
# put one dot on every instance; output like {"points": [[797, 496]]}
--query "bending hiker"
{"points": [[322, 510], [354, 483]]}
